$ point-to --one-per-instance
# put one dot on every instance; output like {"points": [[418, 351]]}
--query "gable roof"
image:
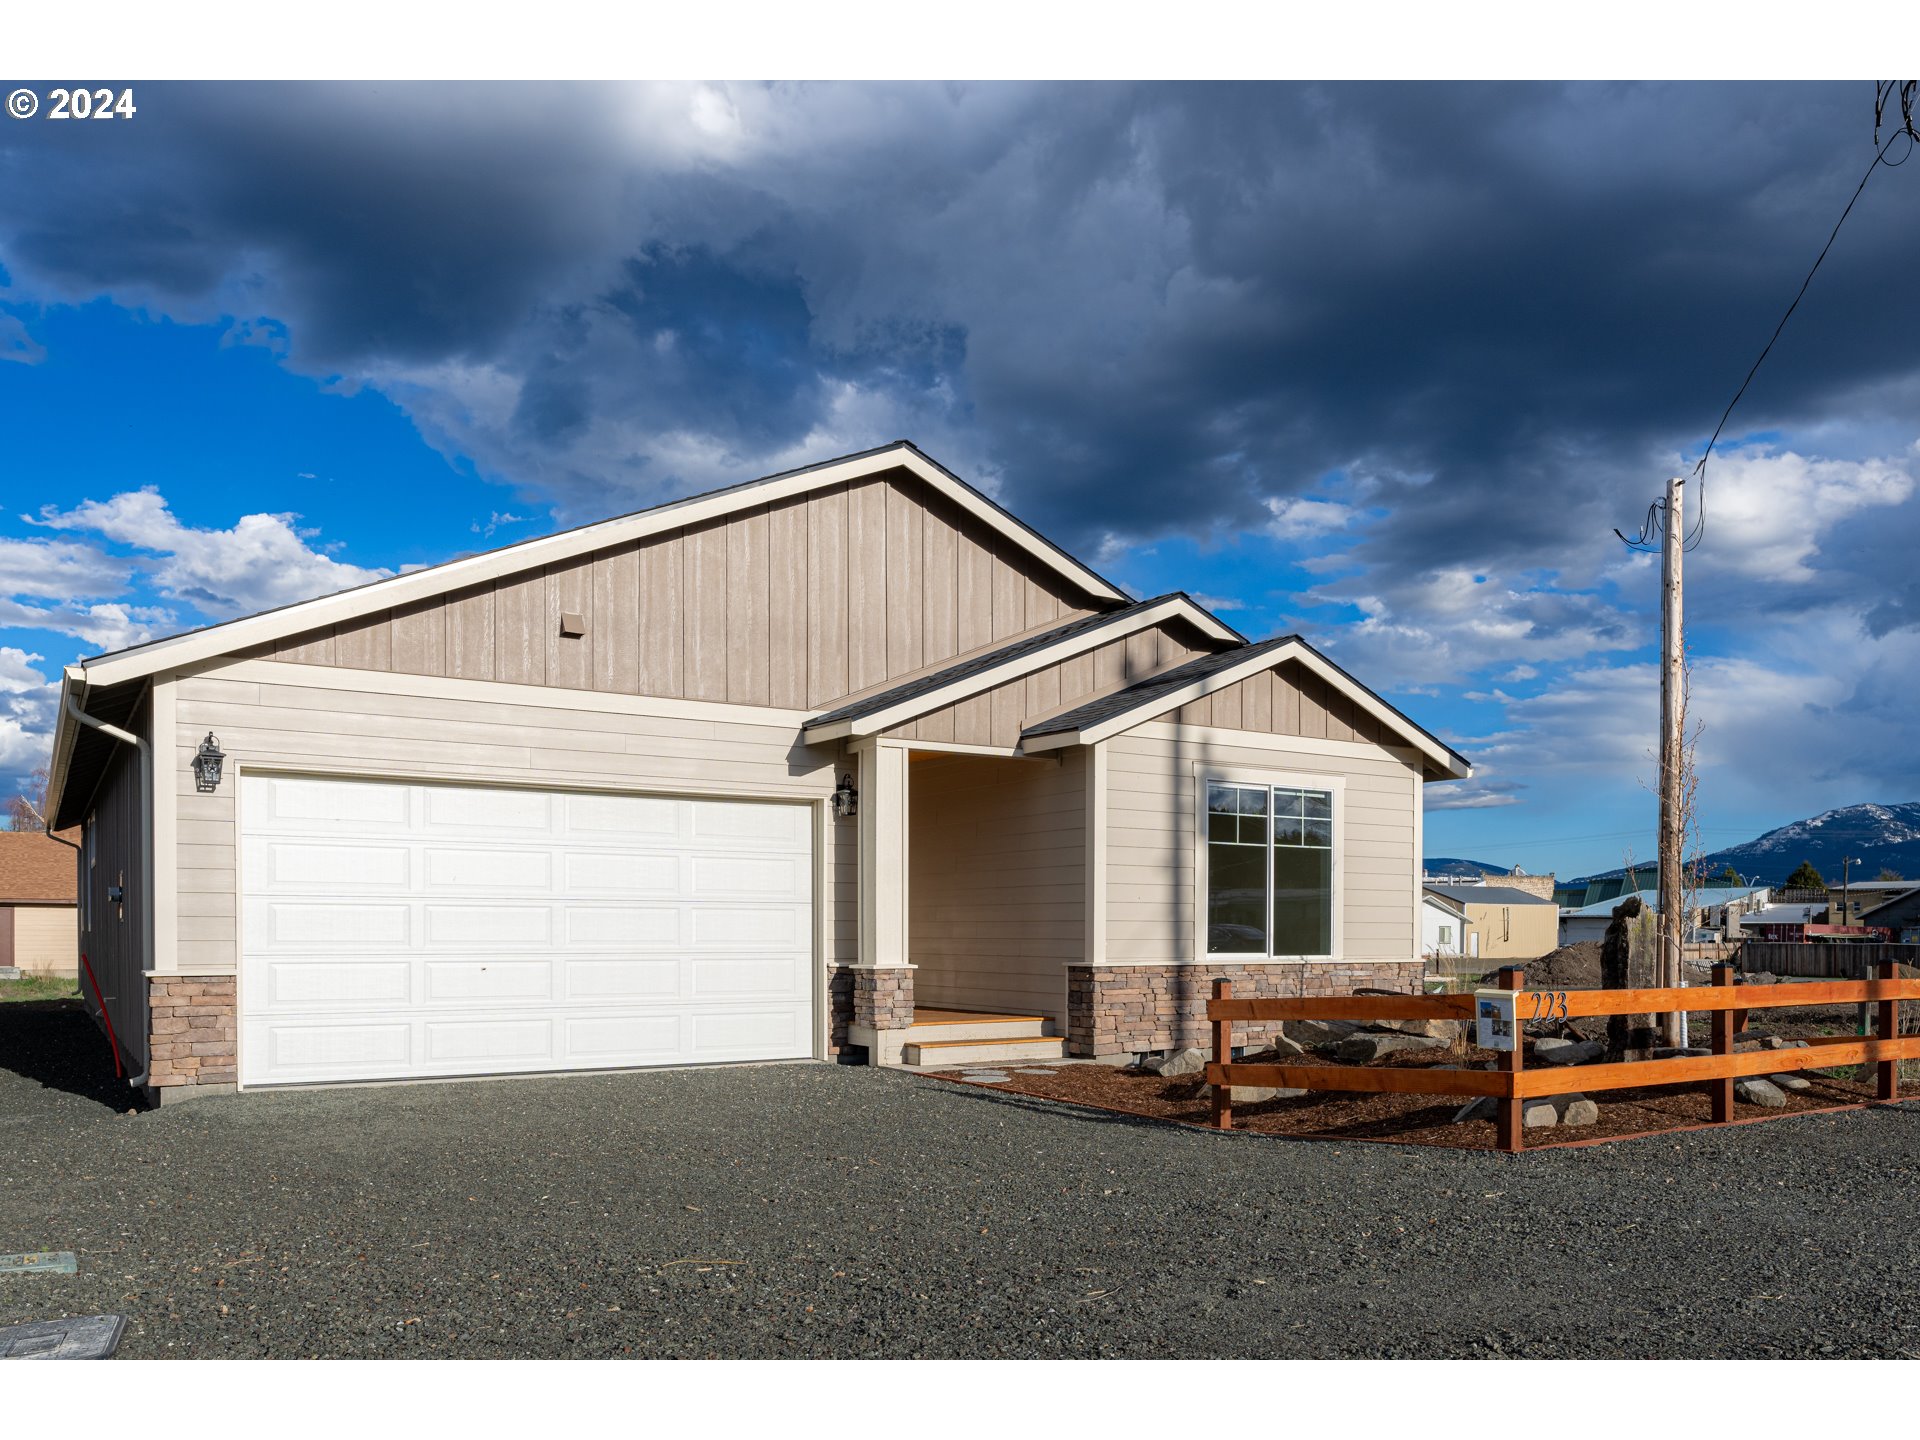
{"points": [[1487, 895], [1140, 702], [902, 703], [34, 866], [212, 641]]}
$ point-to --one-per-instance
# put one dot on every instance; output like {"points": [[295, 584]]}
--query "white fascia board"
{"points": [[73, 680], [349, 605], [1091, 638], [1232, 674]]}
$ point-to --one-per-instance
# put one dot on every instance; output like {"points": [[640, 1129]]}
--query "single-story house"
{"points": [[38, 881], [1899, 917], [1783, 922], [1503, 923], [847, 762], [1847, 904], [1443, 927], [1717, 911]]}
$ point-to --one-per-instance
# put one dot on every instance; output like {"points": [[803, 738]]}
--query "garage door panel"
{"points": [[382, 982], [394, 930]]}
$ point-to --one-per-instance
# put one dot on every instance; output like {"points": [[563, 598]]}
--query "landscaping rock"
{"points": [[1575, 1110], [1447, 1030], [1538, 1114], [1317, 1034], [1791, 1082], [1254, 1094], [1756, 1091], [1190, 1061], [1276, 1051], [984, 1077], [1780, 1042], [1484, 1108], [1679, 1052], [1567, 1052], [1760, 977], [1372, 1044]]}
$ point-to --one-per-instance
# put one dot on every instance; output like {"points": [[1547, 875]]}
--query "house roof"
{"points": [[214, 640], [957, 682], [34, 867], [1487, 895], [1138, 703], [1441, 902], [1804, 914], [1706, 895], [1900, 907]]}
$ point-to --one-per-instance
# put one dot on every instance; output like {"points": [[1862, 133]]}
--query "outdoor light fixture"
{"points": [[206, 765], [846, 799]]}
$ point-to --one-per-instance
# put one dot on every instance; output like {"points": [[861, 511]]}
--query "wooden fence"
{"points": [[1849, 960], [1513, 1083]]}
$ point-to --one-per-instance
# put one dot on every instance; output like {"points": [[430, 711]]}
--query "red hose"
{"points": [[118, 1069]]}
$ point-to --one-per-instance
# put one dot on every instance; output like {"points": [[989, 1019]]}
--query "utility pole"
{"points": [[1847, 862], [1672, 755]]}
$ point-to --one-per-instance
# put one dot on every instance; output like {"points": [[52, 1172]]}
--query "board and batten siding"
{"points": [[1153, 802], [996, 884], [997, 717], [797, 605], [1286, 700], [114, 942], [288, 726]]}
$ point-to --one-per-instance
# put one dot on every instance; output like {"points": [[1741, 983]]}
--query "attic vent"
{"points": [[572, 624]]}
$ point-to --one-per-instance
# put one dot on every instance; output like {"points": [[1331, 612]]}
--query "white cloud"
{"points": [[260, 563], [26, 710], [16, 344], [1220, 602], [59, 569], [104, 625], [1769, 510], [1296, 519]]}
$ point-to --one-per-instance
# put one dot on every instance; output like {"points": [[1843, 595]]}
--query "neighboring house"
{"points": [[583, 803], [1443, 927], [1579, 894], [1848, 904], [1503, 923], [1783, 922], [1899, 917], [38, 882], [1716, 911]]}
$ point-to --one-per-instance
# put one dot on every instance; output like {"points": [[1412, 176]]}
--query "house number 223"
{"points": [[1549, 1005]]}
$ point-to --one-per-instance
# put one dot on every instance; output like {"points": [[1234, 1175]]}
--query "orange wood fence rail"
{"points": [[1513, 1083]]}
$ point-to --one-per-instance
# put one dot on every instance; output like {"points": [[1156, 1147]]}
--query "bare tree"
{"points": [[27, 810]]}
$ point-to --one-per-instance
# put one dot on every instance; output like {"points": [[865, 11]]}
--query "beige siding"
{"points": [[997, 874], [1153, 821], [800, 604], [474, 741], [1513, 932], [996, 717], [1287, 700], [46, 939]]}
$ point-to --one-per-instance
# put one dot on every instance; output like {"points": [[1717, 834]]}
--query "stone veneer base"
{"points": [[191, 1036], [1121, 1009]]}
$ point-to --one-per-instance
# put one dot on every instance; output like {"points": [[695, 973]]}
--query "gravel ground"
{"points": [[874, 1213]]}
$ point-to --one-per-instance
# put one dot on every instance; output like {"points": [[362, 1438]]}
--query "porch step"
{"points": [[941, 1026], [995, 1052]]}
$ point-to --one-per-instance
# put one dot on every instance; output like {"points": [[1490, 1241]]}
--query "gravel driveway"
{"points": [[808, 1210]]}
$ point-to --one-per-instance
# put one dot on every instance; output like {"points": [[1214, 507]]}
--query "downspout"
{"points": [[125, 737]]}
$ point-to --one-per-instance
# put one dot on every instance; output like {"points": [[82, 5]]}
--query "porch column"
{"points": [[883, 983]]}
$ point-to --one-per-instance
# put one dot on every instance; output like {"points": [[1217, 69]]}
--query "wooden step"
{"points": [[984, 1027], [992, 1052]]}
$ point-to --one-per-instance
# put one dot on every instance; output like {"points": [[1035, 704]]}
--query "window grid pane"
{"points": [[1279, 902]]}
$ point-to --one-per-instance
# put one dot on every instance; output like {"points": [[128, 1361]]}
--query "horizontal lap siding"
{"points": [[995, 895], [290, 727], [799, 604], [1152, 823]]}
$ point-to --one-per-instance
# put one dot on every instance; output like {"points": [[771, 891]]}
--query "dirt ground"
{"points": [[1408, 1119]]}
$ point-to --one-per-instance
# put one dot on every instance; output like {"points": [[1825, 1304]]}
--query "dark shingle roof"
{"points": [[1144, 692], [940, 679], [1488, 895]]}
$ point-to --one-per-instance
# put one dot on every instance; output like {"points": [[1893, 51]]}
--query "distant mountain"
{"points": [[1876, 836], [1445, 867]]}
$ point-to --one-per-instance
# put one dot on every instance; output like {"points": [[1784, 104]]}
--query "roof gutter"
{"points": [[71, 709]]}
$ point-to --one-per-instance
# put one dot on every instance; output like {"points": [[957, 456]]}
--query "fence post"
{"points": [[1508, 1123], [1888, 1025], [1723, 1028], [1222, 1055]]}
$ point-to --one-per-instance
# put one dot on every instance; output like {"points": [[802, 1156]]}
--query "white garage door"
{"points": [[393, 930]]}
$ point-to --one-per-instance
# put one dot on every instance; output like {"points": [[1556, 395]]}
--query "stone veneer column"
{"points": [[192, 1036], [1134, 1009]]}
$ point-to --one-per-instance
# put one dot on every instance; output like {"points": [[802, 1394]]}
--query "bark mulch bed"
{"points": [[1403, 1119]]}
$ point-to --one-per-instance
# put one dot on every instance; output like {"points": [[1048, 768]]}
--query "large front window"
{"points": [[1269, 870]]}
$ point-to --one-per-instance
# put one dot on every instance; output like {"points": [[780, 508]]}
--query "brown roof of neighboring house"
{"points": [[35, 867]]}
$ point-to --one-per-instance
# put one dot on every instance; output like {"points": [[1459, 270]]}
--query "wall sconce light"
{"points": [[846, 799], [206, 765]]}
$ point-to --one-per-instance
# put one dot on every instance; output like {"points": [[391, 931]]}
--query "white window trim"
{"points": [[1336, 785]]}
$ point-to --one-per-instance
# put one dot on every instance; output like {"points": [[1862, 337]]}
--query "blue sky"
{"points": [[1381, 365]]}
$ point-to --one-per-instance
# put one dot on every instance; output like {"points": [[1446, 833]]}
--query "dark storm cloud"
{"points": [[1142, 309]]}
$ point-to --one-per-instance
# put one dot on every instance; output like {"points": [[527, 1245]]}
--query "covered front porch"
{"points": [[973, 901]]}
